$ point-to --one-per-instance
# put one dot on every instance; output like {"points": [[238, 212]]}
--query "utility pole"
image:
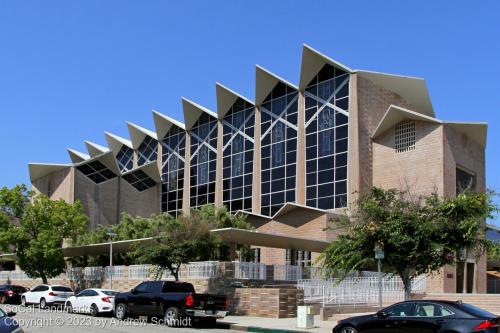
{"points": [[379, 255]]}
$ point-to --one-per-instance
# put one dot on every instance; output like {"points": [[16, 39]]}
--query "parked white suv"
{"points": [[93, 301], [45, 295]]}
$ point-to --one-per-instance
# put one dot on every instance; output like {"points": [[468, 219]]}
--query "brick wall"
{"points": [[419, 170], [372, 102]]}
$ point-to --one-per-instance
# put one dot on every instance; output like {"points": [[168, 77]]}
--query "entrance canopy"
{"points": [[230, 235], [252, 237]]}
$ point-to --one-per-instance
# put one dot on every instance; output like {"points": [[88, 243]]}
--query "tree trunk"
{"points": [[44, 278], [407, 279]]}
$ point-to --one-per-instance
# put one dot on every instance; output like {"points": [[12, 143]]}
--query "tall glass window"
{"points": [[172, 171], [238, 140], [327, 101], [125, 158], [279, 148], [147, 151], [203, 161]]}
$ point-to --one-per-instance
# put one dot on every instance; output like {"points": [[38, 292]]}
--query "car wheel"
{"points": [[43, 303], [172, 316], [69, 307], [121, 311], [23, 301], [348, 329], [94, 310]]}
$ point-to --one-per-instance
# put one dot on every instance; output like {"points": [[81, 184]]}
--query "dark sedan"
{"points": [[11, 294], [423, 317]]}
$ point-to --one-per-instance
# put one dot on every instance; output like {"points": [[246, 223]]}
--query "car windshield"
{"points": [[474, 310], [109, 292], [61, 288]]}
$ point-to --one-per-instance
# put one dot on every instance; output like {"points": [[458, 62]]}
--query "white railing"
{"points": [[202, 270], [94, 273], [139, 272], [118, 272], [249, 270], [357, 290], [19, 275], [287, 273]]}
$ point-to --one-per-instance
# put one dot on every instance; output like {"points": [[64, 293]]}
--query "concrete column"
{"points": [[300, 185], [187, 174], [256, 176], [218, 171], [353, 170]]}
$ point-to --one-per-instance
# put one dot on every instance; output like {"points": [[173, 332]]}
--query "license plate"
{"points": [[209, 312]]}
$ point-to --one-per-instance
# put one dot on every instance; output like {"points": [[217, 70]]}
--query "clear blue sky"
{"points": [[70, 70]]}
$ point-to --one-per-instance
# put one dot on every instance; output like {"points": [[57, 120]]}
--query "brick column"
{"points": [[219, 165], [256, 176], [187, 175], [300, 186]]}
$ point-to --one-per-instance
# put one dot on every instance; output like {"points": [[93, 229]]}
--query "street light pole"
{"points": [[111, 234], [379, 255]]}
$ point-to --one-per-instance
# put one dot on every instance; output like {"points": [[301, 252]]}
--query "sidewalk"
{"points": [[273, 325]]}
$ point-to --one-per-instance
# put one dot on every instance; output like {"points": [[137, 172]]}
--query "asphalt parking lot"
{"points": [[33, 319]]}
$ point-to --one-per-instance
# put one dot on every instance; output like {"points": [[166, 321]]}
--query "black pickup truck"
{"points": [[170, 301]]}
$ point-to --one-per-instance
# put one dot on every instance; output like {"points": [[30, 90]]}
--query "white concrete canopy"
{"points": [[95, 149], [39, 170], [291, 206], [116, 142], [76, 156], [476, 131], [138, 134], [150, 169], [265, 82], [226, 98], [107, 158], [252, 237], [192, 112], [412, 89], [122, 246], [164, 123], [312, 62], [396, 114]]}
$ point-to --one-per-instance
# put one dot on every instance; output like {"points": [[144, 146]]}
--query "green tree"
{"points": [[177, 241], [39, 236], [13, 203], [141, 227], [418, 235], [493, 251]]}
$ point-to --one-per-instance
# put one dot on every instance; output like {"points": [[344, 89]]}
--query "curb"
{"points": [[257, 329]]}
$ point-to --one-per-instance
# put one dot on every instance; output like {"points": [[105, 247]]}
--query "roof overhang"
{"points": [[291, 207], [256, 220], [226, 98], [150, 169], [412, 89], [107, 158], [39, 170], [396, 114], [116, 142], [164, 123], [477, 132], [312, 62], [265, 82], [252, 237], [192, 112], [76, 156], [103, 248], [94, 149], [138, 134]]}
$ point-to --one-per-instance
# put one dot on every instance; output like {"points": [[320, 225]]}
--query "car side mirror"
{"points": [[11, 314], [133, 291], [382, 314]]}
